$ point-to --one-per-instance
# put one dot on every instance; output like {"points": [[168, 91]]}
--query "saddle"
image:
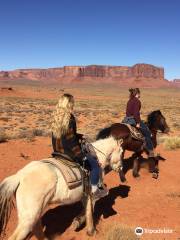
{"points": [[135, 133], [73, 174]]}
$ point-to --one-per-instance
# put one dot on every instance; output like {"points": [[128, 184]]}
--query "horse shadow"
{"points": [[57, 220], [104, 207]]}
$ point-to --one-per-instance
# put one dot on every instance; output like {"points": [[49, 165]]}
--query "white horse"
{"points": [[39, 184]]}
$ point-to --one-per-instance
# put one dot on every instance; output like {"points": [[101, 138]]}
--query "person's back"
{"points": [[68, 144], [133, 109], [65, 140], [133, 117]]}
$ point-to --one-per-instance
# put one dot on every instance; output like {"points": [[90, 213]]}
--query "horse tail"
{"points": [[8, 188], [104, 133]]}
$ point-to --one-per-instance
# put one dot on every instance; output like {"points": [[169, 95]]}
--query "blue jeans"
{"points": [[129, 120], [94, 169], [147, 134]]}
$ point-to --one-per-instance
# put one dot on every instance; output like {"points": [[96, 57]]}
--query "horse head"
{"points": [[157, 121], [116, 155], [108, 151]]}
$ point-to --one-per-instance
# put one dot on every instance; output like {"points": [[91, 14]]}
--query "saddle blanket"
{"points": [[135, 133], [71, 171]]}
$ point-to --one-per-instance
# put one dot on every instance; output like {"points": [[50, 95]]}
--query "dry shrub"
{"points": [[176, 125], [3, 136], [25, 134], [172, 143], [161, 139], [121, 232], [38, 132], [30, 134], [173, 195], [41, 132]]}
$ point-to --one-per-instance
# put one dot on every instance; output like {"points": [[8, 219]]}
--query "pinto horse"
{"points": [[155, 122]]}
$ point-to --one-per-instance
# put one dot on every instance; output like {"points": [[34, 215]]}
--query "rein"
{"points": [[90, 144], [119, 142]]}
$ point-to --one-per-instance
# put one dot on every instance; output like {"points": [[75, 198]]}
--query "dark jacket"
{"points": [[133, 109], [69, 143]]}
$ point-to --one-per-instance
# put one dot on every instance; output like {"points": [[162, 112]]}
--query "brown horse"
{"points": [[155, 122]]}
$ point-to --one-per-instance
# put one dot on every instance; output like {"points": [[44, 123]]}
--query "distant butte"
{"points": [[144, 75]]}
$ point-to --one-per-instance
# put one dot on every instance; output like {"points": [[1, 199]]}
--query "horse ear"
{"points": [[120, 141], [158, 111]]}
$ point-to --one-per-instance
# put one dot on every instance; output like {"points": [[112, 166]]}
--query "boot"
{"points": [[99, 193]]}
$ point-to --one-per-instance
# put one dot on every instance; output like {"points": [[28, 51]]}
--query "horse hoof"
{"points": [[123, 180], [157, 170], [155, 175], [91, 232], [122, 177], [75, 225], [136, 175]]}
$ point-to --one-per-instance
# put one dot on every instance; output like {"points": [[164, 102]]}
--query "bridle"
{"points": [[86, 145]]}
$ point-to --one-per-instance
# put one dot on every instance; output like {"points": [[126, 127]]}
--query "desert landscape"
{"points": [[95, 51], [25, 116]]}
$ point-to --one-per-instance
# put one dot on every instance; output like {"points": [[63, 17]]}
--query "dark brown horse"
{"points": [[155, 122]]}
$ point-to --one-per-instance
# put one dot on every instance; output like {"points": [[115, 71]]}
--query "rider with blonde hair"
{"points": [[66, 141]]}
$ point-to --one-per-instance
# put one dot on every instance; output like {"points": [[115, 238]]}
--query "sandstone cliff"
{"points": [[139, 74]]}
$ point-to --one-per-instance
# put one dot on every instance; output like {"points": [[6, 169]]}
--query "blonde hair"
{"points": [[61, 115]]}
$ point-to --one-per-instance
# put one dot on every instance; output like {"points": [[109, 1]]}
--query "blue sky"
{"points": [[52, 33]]}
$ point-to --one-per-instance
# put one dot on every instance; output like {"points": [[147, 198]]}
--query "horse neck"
{"points": [[104, 148], [154, 135], [152, 128], [153, 131]]}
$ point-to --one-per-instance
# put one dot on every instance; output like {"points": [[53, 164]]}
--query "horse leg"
{"points": [[38, 231], [157, 164], [153, 167], [22, 232], [78, 221], [31, 200], [81, 218], [101, 177], [121, 172], [28, 212], [89, 216], [27, 218], [136, 166]]}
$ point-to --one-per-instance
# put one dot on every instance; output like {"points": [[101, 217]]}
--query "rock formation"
{"points": [[139, 74]]}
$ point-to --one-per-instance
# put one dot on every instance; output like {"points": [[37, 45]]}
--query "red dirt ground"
{"points": [[144, 202]]}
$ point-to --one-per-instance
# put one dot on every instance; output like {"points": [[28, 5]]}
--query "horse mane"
{"points": [[152, 117], [104, 133]]}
